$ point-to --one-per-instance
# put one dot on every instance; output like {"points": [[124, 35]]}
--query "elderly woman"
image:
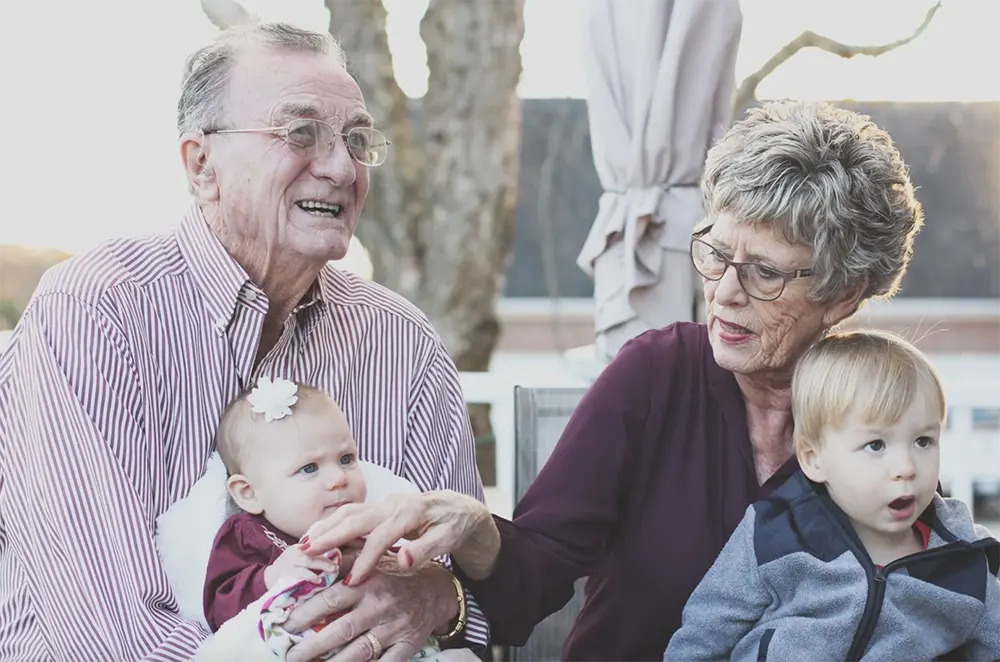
{"points": [[810, 213]]}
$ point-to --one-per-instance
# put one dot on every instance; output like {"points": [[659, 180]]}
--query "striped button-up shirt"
{"points": [[110, 392]]}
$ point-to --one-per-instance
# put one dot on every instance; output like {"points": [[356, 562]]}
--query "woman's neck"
{"points": [[768, 402]]}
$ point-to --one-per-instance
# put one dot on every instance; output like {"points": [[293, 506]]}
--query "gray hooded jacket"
{"points": [[795, 583]]}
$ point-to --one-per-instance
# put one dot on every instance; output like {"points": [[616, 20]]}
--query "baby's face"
{"points": [[883, 476], [305, 467]]}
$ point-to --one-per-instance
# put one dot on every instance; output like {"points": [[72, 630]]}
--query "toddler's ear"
{"points": [[244, 494], [809, 462]]}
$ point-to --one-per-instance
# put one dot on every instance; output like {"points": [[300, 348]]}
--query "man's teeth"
{"points": [[320, 208]]}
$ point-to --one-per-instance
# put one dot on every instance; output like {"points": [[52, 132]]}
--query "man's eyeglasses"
{"points": [[315, 138], [759, 281]]}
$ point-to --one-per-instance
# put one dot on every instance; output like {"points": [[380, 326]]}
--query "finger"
{"points": [[377, 544], [321, 564], [434, 543], [402, 651], [345, 634], [331, 600], [347, 523], [363, 649]]}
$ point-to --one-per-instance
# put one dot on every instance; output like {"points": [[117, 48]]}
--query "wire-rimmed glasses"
{"points": [[314, 137], [759, 281]]}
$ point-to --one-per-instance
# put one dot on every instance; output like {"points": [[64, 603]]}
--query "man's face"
{"points": [[262, 183]]}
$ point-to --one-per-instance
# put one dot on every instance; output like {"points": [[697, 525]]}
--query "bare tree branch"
{"points": [[747, 92], [225, 13]]}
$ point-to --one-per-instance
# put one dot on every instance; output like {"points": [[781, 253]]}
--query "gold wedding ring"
{"points": [[376, 645]]}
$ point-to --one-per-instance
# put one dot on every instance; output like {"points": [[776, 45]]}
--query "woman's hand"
{"points": [[400, 610], [435, 523]]}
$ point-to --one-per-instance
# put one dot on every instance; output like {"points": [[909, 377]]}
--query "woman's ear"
{"points": [[243, 494], [810, 462], [839, 310]]}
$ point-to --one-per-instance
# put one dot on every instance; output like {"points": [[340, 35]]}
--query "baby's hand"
{"points": [[296, 564]]}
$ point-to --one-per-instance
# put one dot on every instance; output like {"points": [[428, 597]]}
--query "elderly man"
{"points": [[116, 377]]}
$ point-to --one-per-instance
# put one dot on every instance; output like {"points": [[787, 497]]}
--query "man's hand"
{"points": [[401, 610], [296, 564]]}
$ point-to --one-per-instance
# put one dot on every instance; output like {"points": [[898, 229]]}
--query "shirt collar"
{"points": [[221, 279], [218, 277]]}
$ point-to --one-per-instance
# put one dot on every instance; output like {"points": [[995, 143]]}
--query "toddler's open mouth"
{"points": [[903, 507]]}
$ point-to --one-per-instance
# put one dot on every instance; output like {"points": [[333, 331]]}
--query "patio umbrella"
{"points": [[660, 77]]}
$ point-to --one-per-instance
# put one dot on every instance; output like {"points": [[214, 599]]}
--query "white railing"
{"points": [[968, 455]]}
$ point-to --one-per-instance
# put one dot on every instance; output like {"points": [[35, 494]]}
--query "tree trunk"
{"points": [[440, 216], [439, 219]]}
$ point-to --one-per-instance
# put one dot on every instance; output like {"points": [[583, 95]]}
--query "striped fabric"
{"points": [[110, 392]]}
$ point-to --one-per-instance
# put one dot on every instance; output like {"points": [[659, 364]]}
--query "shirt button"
{"points": [[220, 324], [250, 295]]}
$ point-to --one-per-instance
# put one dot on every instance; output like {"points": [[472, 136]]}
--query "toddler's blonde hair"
{"points": [[876, 374]]}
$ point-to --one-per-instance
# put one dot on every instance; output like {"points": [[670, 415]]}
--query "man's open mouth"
{"points": [[317, 208]]}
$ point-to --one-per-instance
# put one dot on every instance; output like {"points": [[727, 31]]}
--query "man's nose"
{"points": [[334, 162]]}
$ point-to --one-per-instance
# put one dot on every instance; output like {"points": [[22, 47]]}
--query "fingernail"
{"points": [[347, 580], [304, 546], [407, 558], [304, 540]]}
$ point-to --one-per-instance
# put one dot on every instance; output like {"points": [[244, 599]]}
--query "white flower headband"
{"points": [[274, 398]]}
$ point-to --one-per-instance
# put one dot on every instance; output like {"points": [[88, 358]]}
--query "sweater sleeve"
{"points": [[728, 602], [562, 525], [235, 575]]}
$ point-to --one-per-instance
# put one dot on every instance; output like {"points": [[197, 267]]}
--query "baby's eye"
{"points": [[310, 468], [347, 459], [876, 445], [924, 442]]}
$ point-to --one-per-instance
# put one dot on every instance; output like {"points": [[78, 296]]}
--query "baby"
{"points": [[855, 557], [291, 461], [285, 473]]}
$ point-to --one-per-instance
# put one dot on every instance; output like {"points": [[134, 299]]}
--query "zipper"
{"points": [[877, 577]]}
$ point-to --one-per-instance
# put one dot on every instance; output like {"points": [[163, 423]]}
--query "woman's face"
{"points": [[751, 336]]}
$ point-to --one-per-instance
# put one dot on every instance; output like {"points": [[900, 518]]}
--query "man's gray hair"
{"points": [[822, 177], [202, 104]]}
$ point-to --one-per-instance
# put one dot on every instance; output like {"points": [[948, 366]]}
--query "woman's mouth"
{"points": [[732, 333]]}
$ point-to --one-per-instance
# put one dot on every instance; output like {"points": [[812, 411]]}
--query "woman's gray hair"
{"points": [[202, 104], [822, 177]]}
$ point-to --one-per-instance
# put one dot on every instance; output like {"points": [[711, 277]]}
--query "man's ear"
{"points": [[200, 176], [243, 494], [809, 462]]}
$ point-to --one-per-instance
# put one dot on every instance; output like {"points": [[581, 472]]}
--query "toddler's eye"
{"points": [[347, 459], [310, 468], [876, 445]]}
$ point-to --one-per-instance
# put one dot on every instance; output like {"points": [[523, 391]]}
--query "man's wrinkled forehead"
{"points": [[269, 80]]}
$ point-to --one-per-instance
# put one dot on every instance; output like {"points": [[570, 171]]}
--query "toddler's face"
{"points": [[882, 476], [304, 467]]}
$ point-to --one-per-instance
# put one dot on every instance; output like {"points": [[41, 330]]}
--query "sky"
{"points": [[88, 88]]}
